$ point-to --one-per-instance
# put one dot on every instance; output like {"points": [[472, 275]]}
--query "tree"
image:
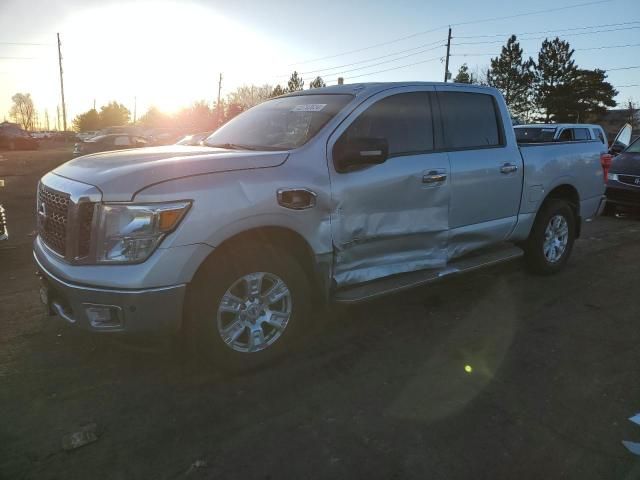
{"points": [[87, 121], [583, 97], [114, 114], [197, 117], [464, 76], [318, 82], [513, 76], [22, 111], [277, 91], [232, 110], [554, 69], [250, 95], [295, 83], [154, 118]]}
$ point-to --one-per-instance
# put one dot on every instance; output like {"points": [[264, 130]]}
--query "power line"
{"points": [[28, 44], [390, 69], [531, 53], [549, 31], [542, 38], [621, 68], [425, 32], [630, 85], [386, 61], [370, 59]]}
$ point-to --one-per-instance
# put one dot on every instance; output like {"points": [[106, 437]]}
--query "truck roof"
{"points": [[375, 87], [558, 125]]}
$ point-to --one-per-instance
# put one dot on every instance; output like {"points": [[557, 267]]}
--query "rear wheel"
{"points": [[247, 308], [550, 242]]}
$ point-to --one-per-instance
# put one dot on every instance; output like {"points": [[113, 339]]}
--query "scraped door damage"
{"points": [[390, 218]]}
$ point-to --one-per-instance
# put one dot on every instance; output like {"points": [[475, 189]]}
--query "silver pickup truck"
{"points": [[338, 194]]}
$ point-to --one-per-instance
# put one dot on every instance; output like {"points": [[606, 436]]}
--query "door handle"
{"points": [[434, 177], [508, 168]]}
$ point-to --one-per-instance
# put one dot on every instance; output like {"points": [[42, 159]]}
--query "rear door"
{"points": [[391, 217], [486, 168]]}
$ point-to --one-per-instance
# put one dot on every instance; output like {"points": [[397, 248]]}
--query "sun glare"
{"points": [[163, 53]]}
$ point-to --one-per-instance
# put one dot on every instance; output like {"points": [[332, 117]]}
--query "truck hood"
{"points": [[120, 174]]}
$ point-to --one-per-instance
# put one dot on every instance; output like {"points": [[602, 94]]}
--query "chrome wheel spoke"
{"points": [[230, 303], [276, 293], [233, 331], [277, 320], [254, 283], [556, 238], [256, 339]]}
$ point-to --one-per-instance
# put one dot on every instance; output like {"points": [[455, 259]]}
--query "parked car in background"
{"points": [[41, 135], [623, 180], [337, 194], [559, 132], [194, 139], [163, 136], [12, 137], [103, 143], [87, 135]]}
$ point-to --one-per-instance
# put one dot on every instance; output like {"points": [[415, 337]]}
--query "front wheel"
{"points": [[248, 307], [549, 245]]}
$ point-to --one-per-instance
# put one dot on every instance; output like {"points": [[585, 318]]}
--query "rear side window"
{"points": [[599, 135], [404, 120], [566, 135], [122, 141], [469, 120], [581, 134]]}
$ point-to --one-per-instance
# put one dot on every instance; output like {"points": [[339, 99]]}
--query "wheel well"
{"points": [[283, 238], [570, 194]]}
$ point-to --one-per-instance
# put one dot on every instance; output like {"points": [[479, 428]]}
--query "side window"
{"points": [[470, 120], [404, 120], [599, 135], [581, 134], [566, 135], [122, 141]]}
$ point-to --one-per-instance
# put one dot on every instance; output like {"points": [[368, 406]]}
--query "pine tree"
{"points": [[464, 76], [295, 83], [554, 69], [318, 82], [277, 91], [583, 97], [513, 76]]}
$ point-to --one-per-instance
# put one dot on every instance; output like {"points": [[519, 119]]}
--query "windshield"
{"points": [[279, 124], [535, 134]]}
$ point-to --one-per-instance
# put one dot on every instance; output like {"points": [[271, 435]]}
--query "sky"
{"points": [[170, 53]]}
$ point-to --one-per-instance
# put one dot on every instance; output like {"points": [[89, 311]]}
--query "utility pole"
{"points": [[446, 63], [94, 103], [64, 109], [135, 109], [46, 119], [218, 110], [58, 118]]}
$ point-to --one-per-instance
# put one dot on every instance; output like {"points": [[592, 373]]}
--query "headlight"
{"points": [[129, 233], [612, 176]]}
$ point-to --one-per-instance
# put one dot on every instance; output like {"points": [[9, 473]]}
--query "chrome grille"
{"points": [[629, 179], [85, 221], [53, 214]]}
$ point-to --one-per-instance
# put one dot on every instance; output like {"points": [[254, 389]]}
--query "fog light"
{"points": [[104, 316]]}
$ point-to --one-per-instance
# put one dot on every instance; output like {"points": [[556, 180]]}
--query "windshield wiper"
{"points": [[231, 146], [239, 146]]}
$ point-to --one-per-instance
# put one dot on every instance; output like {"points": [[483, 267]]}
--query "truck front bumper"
{"points": [[157, 310]]}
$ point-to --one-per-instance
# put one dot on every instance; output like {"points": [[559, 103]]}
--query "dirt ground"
{"points": [[493, 375]]}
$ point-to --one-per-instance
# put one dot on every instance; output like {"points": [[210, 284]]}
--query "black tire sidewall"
{"points": [[211, 284], [534, 250]]}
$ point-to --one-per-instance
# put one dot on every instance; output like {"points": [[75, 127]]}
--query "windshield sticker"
{"points": [[309, 107]]}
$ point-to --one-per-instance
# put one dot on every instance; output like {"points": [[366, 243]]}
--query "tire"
{"points": [[546, 257], [610, 210], [218, 286]]}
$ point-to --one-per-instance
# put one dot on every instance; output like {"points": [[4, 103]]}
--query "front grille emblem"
{"points": [[637, 181]]}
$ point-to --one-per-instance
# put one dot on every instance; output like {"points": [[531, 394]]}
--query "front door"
{"points": [[391, 217]]}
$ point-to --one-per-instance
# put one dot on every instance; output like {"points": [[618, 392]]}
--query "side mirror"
{"points": [[616, 149], [360, 152]]}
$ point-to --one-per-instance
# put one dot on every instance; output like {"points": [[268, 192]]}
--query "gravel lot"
{"points": [[497, 374]]}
